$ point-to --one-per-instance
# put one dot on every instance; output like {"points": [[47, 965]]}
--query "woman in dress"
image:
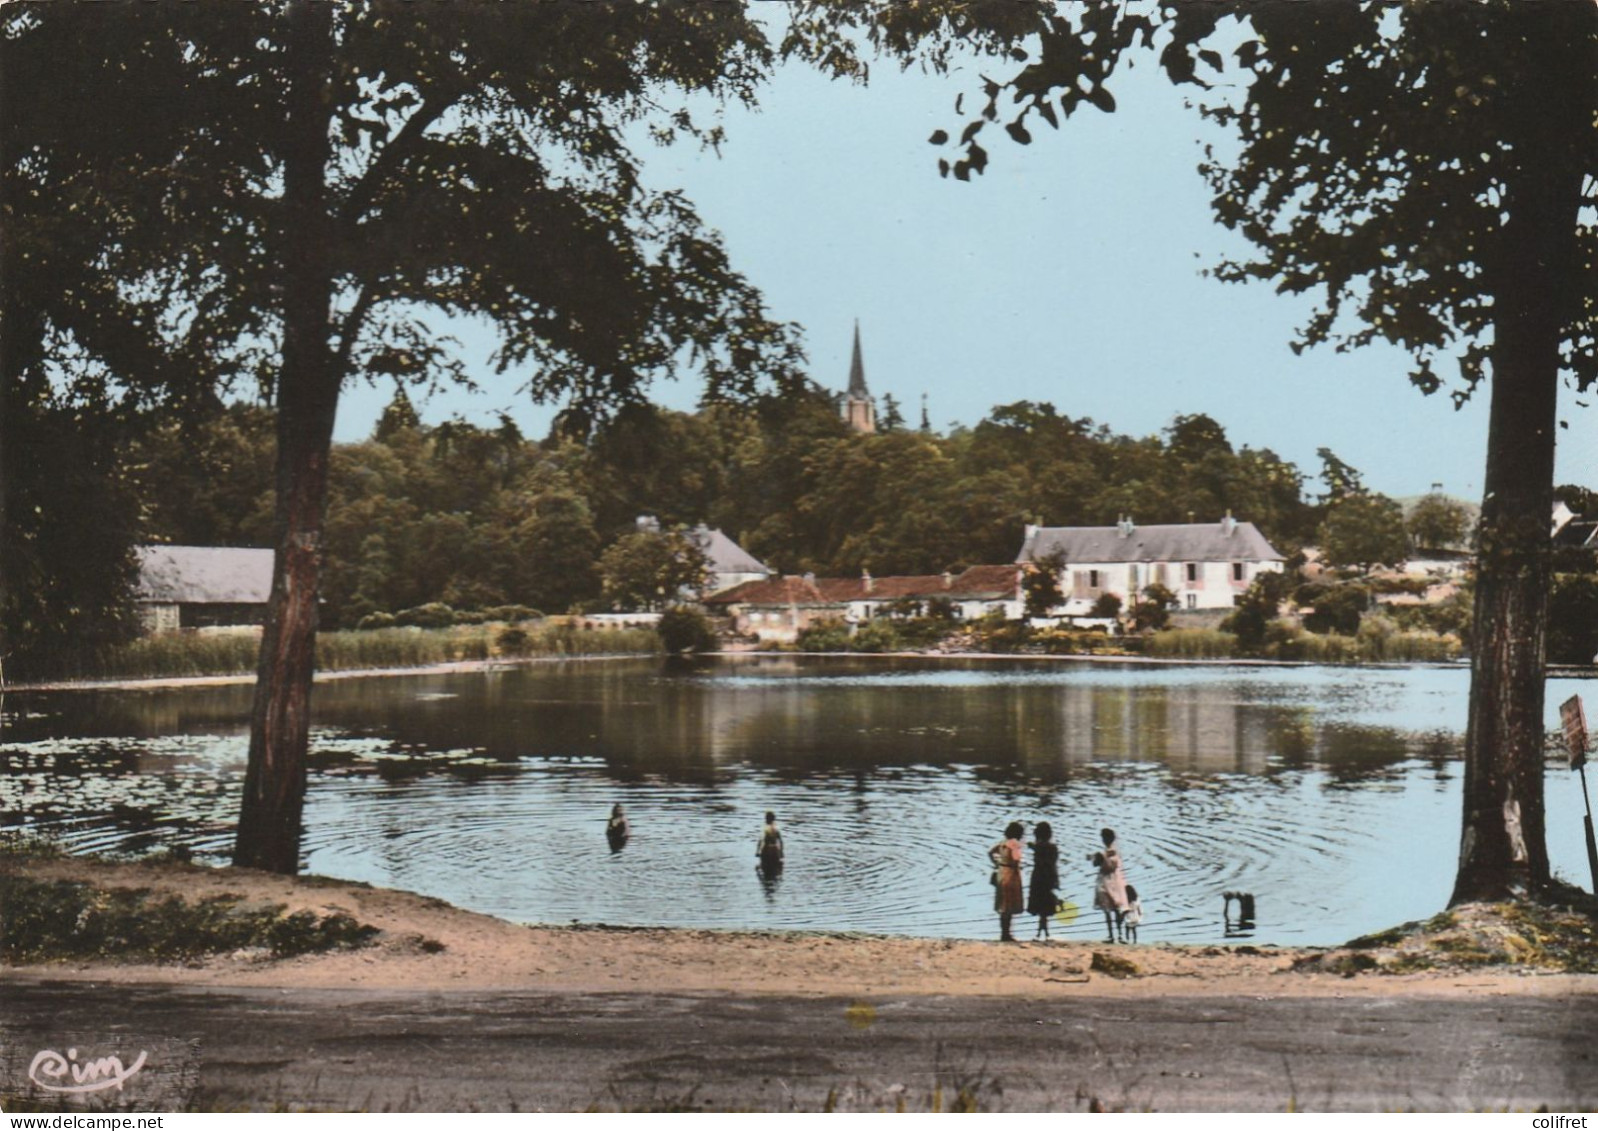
{"points": [[1109, 893], [1042, 894], [1007, 892]]}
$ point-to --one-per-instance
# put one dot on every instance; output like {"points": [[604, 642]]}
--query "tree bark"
{"points": [[307, 400], [1503, 851]]}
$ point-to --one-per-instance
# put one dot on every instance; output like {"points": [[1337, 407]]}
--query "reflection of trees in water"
{"points": [[39, 716], [644, 719]]}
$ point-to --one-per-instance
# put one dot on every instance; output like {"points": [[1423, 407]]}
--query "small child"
{"points": [[1132, 916]]}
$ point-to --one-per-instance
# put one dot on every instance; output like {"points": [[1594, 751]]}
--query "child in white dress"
{"points": [[1132, 916]]}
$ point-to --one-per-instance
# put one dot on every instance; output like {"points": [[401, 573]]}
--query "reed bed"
{"points": [[1195, 643], [172, 655]]}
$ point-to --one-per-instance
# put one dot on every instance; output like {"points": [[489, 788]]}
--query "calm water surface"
{"points": [[1332, 794]]}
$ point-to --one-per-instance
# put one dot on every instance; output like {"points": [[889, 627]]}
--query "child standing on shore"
{"points": [[1109, 893], [1133, 915], [1043, 895]]}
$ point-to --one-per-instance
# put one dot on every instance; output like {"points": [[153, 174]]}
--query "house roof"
{"points": [[203, 575], [1000, 582], [1183, 542], [723, 554]]}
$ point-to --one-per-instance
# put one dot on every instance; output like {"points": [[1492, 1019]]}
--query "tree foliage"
{"points": [[1364, 531], [650, 569], [1437, 522], [1428, 174]]}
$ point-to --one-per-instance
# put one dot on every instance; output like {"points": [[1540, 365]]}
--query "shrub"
{"points": [[876, 636], [512, 614], [995, 634], [513, 642], [922, 632], [682, 629], [1154, 611], [1108, 605], [824, 636], [375, 620], [435, 614], [1336, 608]]}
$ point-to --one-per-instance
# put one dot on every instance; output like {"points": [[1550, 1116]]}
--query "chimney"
{"points": [[948, 580], [1228, 525], [1125, 525], [865, 579]]}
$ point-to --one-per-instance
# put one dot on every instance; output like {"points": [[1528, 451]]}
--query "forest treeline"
{"points": [[478, 517]]}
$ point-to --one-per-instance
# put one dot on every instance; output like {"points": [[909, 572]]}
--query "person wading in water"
{"points": [[769, 848]]}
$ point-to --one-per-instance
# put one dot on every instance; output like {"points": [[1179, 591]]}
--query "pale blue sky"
{"points": [[1070, 273]]}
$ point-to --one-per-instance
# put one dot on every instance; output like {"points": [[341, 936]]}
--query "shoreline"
{"points": [[428, 945], [157, 683]]}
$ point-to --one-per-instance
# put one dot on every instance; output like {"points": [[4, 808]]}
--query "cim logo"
{"points": [[53, 1072]]}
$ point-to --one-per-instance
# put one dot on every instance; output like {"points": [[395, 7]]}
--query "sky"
{"points": [[1070, 272]]}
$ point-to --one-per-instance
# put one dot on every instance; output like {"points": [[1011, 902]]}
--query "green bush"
{"points": [[513, 642], [376, 620], [1108, 605], [995, 634], [52, 920], [829, 635], [512, 614], [876, 636], [1073, 642], [1337, 608], [682, 629], [435, 614]]}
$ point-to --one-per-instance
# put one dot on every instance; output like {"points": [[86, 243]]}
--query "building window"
{"points": [[1237, 571], [1192, 600], [1093, 579], [1192, 572]]}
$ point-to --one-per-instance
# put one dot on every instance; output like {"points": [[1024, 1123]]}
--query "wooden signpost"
{"points": [[1575, 724]]}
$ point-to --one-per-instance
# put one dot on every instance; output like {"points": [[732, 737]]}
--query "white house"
{"points": [[1205, 564]]}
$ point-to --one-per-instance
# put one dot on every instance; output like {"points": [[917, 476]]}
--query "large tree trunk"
{"points": [[1503, 851], [307, 399]]}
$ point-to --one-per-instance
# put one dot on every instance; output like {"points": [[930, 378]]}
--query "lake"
{"points": [[1331, 794]]}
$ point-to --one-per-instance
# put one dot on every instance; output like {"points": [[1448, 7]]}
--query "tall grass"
{"points": [[1202, 643], [178, 654]]}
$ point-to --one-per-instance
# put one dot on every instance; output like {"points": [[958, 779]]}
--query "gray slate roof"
{"points": [[204, 575], [723, 554], [1183, 542]]}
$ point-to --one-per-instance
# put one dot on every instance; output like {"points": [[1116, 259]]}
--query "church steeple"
{"points": [[858, 409], [857, 368]]}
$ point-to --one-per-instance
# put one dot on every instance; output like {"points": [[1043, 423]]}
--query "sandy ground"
{"points": [[517, 1018], [483, 953]]}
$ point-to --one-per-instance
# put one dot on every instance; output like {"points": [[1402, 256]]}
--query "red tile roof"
{"points": [[990, 582]]}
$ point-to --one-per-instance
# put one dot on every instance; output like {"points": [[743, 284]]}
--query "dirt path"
{"points": [[463, 1051], [450, 1010]]}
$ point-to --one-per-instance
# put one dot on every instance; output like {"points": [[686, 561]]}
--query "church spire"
{"points": [[858, 408], [857, 369]]}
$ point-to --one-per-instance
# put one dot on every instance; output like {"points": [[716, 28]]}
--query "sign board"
{"points": [[1575, 723]]}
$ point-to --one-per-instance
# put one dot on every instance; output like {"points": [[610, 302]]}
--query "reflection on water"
{"points": [[1330, 795]]}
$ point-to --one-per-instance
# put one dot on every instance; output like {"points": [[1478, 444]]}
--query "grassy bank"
{"points": [[178, 654], [57, 920]]}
